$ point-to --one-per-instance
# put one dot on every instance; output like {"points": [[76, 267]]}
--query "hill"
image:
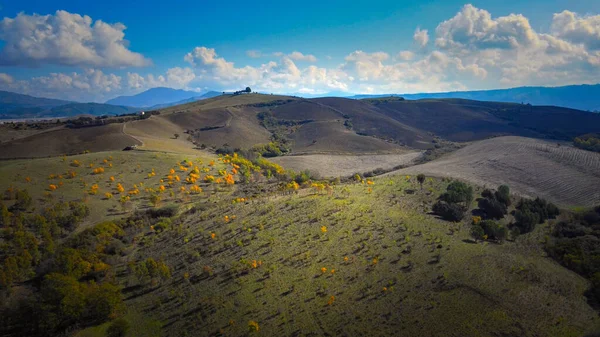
{"points": [[343, 126], [562, 174], [233, 257], [152, 97], [582, 97], [10, 102]]}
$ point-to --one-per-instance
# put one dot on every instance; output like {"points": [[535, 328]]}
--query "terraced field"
{"points": [[560, 173]]}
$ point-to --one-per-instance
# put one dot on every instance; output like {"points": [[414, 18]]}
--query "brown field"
{"points": [[333, 137], [344, 165], [68, 141], [562, 174]]}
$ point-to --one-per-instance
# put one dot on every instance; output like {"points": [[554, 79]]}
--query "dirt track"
{"points": [[562, 174], [344, 165]]}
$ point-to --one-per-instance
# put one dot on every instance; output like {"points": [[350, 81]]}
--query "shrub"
{"points": [[493, 229], [531, 212], [492, 208], [118, 328], [23, 201], [477, 232], [421, 179], [503, 195], [458, 192], [448, 211]]}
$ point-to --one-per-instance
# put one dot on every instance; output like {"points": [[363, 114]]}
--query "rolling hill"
{"points": [[17, 106], [347, 126], [562, 174], [11, 102]]}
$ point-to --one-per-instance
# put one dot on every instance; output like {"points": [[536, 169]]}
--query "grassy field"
{"points": [[363, 260], [74, 183]]}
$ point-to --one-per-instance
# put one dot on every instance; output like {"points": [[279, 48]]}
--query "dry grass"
{"points": [[344, 165], [68, 141], [562, 174]]}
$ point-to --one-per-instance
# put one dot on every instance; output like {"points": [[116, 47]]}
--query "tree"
{"points": [[421, 179], [248, 90], [176, 136], [503, 195], [492, 208], [448, 211], [458, 192]]}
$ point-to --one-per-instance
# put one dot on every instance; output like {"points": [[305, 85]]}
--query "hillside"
{"points": [[354, 259], [10, 101], [582, 97], [342, 126], [154, 96], [560, 173]]}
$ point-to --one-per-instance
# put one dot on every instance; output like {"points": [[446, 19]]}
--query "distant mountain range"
{"points": [[209, 94], [18, 106], [156, 97], [581, 97]]}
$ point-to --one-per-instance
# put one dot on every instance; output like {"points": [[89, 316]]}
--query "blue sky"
{"points": [[355, 46]]}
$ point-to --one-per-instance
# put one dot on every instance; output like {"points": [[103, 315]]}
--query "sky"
{"points": [[97, 50]]}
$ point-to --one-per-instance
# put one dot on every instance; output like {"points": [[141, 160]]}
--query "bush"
{"points": [[526, 220], [477, 232], [458, 192], [118, 328], [492, 208], [532, 212], [448, 211], [503, 195], [493, 230], [23, 201]]}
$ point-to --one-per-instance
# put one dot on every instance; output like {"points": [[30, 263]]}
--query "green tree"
{"points": [[421, 179]]}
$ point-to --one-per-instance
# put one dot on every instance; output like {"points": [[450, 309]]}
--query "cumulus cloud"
{"points": [[574, 28], [421, 37], [65, 39], [471, 50], [406, 55], [298, 56]]}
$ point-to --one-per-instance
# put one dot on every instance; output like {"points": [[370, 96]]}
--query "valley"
{"points": [[278, 215]]}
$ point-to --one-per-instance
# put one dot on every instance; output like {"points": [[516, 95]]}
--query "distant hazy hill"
{"points": [[582, 97], [153, 97], [17, 106], [10, 101], [209, 94]]}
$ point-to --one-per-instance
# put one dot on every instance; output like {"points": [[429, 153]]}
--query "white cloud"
{"points": [[406, 55], [472, 50], [571, 27], [254, 54], [65, 39], [6, 78], [421, 37], [298, 56]]}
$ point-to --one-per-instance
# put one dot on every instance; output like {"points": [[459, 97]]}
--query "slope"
{"points": [[68, 141], [560, 173]]}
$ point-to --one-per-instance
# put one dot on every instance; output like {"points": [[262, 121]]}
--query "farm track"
{"points": [[560, 173]]}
